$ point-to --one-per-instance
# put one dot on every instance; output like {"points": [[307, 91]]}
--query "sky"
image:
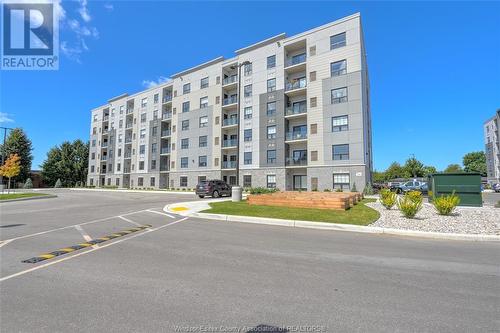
{"points": [[434, 67]]}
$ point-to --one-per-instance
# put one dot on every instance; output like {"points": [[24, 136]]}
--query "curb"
{"points": [[131, 191], [345, 227], [48, 196]]}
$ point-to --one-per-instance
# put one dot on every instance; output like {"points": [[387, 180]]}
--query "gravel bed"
{"points": [[465, 220]]}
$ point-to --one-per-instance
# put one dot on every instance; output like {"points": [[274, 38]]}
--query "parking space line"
{"points": [[129, 221], [3, 243], [88, 251], [153, 211], [84, 234]]}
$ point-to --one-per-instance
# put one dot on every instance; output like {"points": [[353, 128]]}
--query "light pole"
{"points": [[238, 123]]}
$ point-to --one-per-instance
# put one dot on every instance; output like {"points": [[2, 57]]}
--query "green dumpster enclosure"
{"points": [[466, 185]]}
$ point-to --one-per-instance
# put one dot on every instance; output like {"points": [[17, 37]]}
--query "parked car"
{"points": [[214, 188], [412, 186], [496, 187]]}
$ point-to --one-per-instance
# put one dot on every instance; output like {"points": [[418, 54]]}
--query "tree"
{"points": [[413, 168], [378, 177], [453, 168], [58, 183], [17, 142], [28, 184], [475, 162], [354, 189], [428, 169], [68, 162], [11, 167], [394, 171]]}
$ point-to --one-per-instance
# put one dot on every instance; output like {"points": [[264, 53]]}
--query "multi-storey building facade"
{"points": [[287, 112], [492, 147]]}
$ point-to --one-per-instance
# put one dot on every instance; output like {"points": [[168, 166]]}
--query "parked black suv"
{"points": [[214, 188]]}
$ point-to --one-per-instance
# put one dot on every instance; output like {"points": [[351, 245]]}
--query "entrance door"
{"points": [[299, 183]]}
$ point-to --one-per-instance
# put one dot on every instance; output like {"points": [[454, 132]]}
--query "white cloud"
{"points": [[84, 11], [5, 118], [153, 83], [109, 6]]}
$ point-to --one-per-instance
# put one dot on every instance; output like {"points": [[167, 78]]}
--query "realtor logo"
{"points": [[29, 36]]}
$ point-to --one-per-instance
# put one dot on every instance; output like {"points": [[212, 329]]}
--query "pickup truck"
{"points": [[411, 186]]}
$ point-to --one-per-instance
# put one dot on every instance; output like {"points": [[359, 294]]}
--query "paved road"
{"points": [[206, 274]]}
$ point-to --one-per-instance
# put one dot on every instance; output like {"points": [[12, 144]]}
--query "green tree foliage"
{"points": [[58, 183], [68, 162], [475, 162], [453, 168], [429, 169], [17, 142], [395, 170], [378, 176], [413, 168]]}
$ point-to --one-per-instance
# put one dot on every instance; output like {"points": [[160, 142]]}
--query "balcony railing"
{"points": [[128, 140], [297, 109], [228, 164], [105, 118], [301, 83], [290, 161], [129, 125], [167, 98], [230, 100], [229, 80], [164, 168], [104, 144], [230, 143], [130, 110], [104, 158], [298, 59], [126, 170], [230, 121], [166, 115], [296, 136], [166, 132], [128, 155], [165, 150]]}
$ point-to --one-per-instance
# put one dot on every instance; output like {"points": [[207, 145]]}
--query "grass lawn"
{"points": [[359, 214], [9, 196]]}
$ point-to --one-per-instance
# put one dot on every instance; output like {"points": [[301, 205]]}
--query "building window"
{"points": [[314, 155], [247, 90], [338, 68], [203, 102], [247, 135], [201, 179], [202, 161], [142, 149], [117, 181], [271, 156], [204, 121], [94, 130], [142, 133], [271, 132], [183, 181], [122, 107], [92, 156], [271, 62], [340, 152], [154, 131], [247, 112], [312, 76], [247, 180], [271, 181], [271, 109], [152, 181], [340, 123], [184, 162], [184, 143], [93, 142], [120, 123], [141, 165], [154, 148], [119, 152], [202, 141], [271, 85], [92, 168], [339, 95], [204, 83], [185, 106], [153, 164], [247, 69], [247, 157], [186, 89], [337, 41], [185, 125], [155, 114], [341, 181], [156, 98], [144, 102]]}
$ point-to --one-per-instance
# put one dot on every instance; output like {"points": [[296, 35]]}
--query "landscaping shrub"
{"points": [[28, 184], [326, 190], [262, 190], [410, 204], [339, 190], [368, 189], [445, 204], [58, 183], [387, 198], [497, 205], [354, 189]]}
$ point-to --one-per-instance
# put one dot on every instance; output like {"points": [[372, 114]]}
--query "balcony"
{"points": [[166, 132], [295, 161], [126, 170], [167, 98], [230, 81], [230, 143], [296, 136], [104, 144], [164, 168], [130, 110], [296, 86], [296, 63], [127, 155], [128, 125], [230, 101], [128, 140], [166, 115], [165, 150], [229, 165], [105, 118], [296, 110], [104, 158], [232, 121]]}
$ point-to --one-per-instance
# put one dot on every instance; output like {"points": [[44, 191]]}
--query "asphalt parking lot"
{"points": [[195, 275]]}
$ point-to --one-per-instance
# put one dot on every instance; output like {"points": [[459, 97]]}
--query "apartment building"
{"points": [[288, 112], [492, 147]]}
